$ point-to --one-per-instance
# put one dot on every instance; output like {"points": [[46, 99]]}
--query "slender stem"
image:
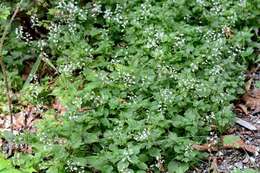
{"points": [[4, 71]]}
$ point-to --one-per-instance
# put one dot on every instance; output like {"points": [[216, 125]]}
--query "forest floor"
{"points": [[242, 150]]}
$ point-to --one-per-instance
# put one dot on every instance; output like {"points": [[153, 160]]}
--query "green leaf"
{"points": [[154, 152], [257, 84], [53, 169], [106, 169], [33, 71], [6, 166], [76, 140], [231, 140], [122, 165], [28, 170], [177, 167], [4, 12], [90, 138], [140, 171], [99, 163], [248, 52], [248, 170]]}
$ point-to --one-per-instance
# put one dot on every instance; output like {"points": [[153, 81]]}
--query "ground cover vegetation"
{"points": [[139, 82]]}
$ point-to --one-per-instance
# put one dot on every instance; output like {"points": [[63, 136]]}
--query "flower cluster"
{"points": [[70, 10], [210, 118], [188, 149], [127, 78], [216, 70], [187, 83], [96, 9], [213, 138], [216, 8], [141, 136], [166, 95], [117, 130], [34, 21], [145, 10], [166, 70], [119, 17], [161, 108], [211, 36], [95, 99], [132, 97], [154, 37], [77, 102], [179, 40], [41, 44], [43, 137], [23, 35], [108, 14], [200, 1], [74, 167], [194, 67], [235, 50], [54, 31], [66, 69], [116, 16], [32, 91], [104, 78]]}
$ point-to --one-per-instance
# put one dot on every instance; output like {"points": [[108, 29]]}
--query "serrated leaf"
{"points": [[177, 167], [122, 165], [154, 152]]}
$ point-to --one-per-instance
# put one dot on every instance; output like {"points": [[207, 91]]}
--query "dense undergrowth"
{"points": [[141, 81]]}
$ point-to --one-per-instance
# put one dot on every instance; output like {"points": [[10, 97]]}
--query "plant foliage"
{"points": [[141, 81]]}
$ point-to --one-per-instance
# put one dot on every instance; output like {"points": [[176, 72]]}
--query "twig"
{"points": [[5, 75]]}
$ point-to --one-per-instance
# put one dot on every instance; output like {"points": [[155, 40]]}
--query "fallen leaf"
{"points": [[255, 93], [27, 68], [242, 108], [250, 148], [160, 164], [232, 130], [246, 160], [245, 124], [248, 133], [228, 32], [59, 107], [251, 100], [25, 149]]}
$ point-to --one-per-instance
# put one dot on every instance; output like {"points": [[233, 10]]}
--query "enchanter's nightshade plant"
{"points": [[141, 81]]}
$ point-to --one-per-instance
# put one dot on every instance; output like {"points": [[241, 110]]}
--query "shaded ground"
{"points": [[226, 159]]}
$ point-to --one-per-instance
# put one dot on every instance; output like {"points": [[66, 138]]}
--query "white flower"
{"points": [[141, 136], [108, 14], [96, 9], [34, 20]]}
